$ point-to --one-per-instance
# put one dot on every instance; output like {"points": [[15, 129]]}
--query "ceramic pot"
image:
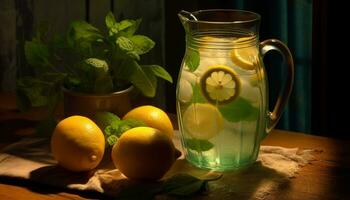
{"points": [[88, 104]]}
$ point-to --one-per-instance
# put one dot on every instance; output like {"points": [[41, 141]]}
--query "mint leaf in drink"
{"points": [[238, 110], [197, 96], [142, 44], [199, 145], [160, 72], [192, 59]]}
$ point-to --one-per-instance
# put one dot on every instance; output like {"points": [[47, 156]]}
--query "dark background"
{"points": [[330, 104]]}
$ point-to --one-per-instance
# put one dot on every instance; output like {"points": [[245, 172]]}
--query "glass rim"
{"points": [[255, 16]]}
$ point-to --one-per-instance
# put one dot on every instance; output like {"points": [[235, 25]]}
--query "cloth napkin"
{"points": [[31, 159]]}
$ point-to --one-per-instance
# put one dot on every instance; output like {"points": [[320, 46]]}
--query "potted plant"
{"points": [[86, 64]]}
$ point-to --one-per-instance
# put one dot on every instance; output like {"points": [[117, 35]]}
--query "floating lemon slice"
{"points": [[244, 57], [202, 121], [220, 84]]}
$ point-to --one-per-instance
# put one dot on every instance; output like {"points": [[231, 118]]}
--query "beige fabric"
{"points": [[31, 159]]}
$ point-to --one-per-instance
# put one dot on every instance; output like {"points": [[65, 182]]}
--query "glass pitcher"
{"points": [[222, 91]]}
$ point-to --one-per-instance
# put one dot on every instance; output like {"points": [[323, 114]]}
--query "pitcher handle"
{"points": [[266, 46]]}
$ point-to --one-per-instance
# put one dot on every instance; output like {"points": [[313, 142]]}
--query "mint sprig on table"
{"points": [[113, 127]]}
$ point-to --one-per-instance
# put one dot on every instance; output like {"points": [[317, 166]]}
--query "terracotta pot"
{"points": [[88, 104]]}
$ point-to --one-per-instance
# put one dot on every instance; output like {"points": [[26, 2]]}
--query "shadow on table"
{"points": [[254, 182]]}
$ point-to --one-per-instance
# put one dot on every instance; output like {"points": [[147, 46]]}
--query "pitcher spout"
{"points": [[186, 16]]}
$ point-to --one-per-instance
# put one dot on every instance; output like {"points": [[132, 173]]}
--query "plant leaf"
{"points": [[199, 145], [125, 44], [103, 82], [127, 124], [39, 90], [143, 79], [183, 185], [239, 109], [81, 30], [128, 27], [110, 20], [159, 71], [142, 44], [37, 53], [192, 59], [104, 119], [111, 140]]}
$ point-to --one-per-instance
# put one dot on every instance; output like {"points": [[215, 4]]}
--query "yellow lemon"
{"points": [[144, 153], [77, 144], [202, 121], [220, 84], [152, 117], [244, 57]]}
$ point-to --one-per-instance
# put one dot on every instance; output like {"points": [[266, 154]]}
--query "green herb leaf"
{"points": [[159, 71], [197, 96], [117, 128], [104, 119], [128, 27], [238, 110], [142, 44], [199, 145], [192, 59], [83, 31], [133, 55], [111, 140], [127, 124], [183, 185], [37, 53], [103, 82], [110, 20], [125, 44], [38, 90], [143, 79]]}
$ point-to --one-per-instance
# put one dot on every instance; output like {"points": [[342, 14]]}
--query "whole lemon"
{"points": [[153, 117], [77, 144], [144, 153]]}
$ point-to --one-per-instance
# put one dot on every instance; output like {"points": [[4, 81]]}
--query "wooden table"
{"points": [[326, 178]]}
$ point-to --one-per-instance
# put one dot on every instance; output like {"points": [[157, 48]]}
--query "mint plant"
{"points": [[88, 60]]}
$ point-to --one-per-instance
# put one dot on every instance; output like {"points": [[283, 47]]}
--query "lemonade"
{"points": [[221, 102]]}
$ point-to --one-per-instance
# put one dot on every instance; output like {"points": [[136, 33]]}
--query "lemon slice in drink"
{"points": [[220, 84], [202, 121], [244, 57]]}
